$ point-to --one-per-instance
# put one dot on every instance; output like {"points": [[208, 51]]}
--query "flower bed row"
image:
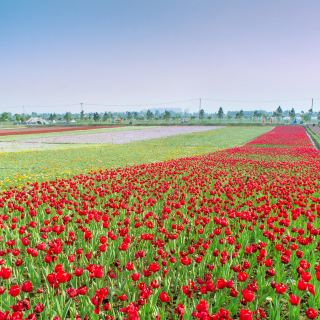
{"points": [[230, 235], [36, 130]]}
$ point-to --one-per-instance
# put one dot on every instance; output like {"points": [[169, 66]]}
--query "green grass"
{"points": [[18, 168]]}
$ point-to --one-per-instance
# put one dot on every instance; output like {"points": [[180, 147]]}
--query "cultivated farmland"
{"points": [[228, 235], [109, 136], [18, 168], [36, 130]]}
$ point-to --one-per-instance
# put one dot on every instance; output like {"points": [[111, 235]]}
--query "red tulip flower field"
{"points": [[231, 235]]}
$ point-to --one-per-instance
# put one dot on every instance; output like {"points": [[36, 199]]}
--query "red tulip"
{"points": [[14, 290], [248, 295], [27, 286], [245, 314], [294, 300], [311, 313], [164, 297]]}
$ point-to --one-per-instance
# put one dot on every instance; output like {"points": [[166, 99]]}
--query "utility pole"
{"points": [[200, 106], [312, 104], [81, 111]]}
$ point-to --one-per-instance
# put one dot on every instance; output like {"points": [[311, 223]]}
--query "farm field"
{"points": [[34, 130], [314, 132], [315, 129], [21, 137], [18, 168], [104, 136], [232, 234]]}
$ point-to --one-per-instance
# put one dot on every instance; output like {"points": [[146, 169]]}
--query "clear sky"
{"points": [[55, 54]]}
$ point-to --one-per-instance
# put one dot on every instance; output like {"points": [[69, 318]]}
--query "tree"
{"points": [[4, 116], [278, 113], [52, 117], [257, 114], [292, 114], [239, 115], [220, 113], [157, 114], [105, 116], [17, 117], [129, 115], [20, 117], [306, 116], [96, 116], [201, 114], [135, 115], [149, 115], [68, 116], [81, 115], [167, 115]]}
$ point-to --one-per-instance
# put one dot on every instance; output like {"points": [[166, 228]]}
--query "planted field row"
{"points": [[121, 135], [36, 130], [230, 235], [315, 129], [19, 168]]}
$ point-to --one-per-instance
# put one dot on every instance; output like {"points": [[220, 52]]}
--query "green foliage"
{"points": [[53, 116], [239, 115], [4, 116], [278, 113], [149, 115], [220, 113], [306, 116], [292, 113], [166, 115], [201, 114], [106, 116], [129, 115], [257, 114], [96, 116], [68, 116]]}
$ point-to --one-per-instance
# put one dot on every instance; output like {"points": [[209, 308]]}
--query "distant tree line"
{"points": [[164, 115]]}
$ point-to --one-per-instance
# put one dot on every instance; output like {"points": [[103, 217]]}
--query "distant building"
{"points": [[36, 121]]}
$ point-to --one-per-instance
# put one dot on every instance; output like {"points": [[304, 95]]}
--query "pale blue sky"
{"points": [[244, 53]]}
